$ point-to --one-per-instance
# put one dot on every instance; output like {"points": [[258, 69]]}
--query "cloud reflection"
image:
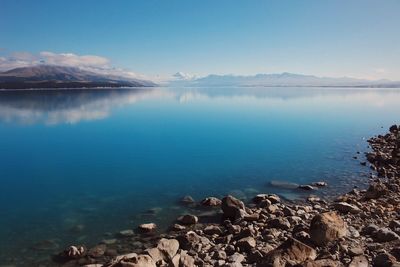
{"points": [[67, 106]]}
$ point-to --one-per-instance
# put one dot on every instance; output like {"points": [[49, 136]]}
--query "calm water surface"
{"points": [[100, 159]]}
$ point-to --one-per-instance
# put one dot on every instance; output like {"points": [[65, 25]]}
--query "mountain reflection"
{"points": [[67, 106], [72, 106]]}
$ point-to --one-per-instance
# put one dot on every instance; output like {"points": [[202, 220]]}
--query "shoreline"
{"points": [[359, 228]]}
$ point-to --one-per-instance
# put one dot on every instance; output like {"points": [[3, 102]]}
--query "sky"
{"points": [[149, 38]]}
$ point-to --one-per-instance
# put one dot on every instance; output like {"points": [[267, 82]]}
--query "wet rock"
{"points": [[178, 227], [109, 241], [290, 253], [97, 251], [187, 200], [211, 202], [306, 187], [188, 219], [74, 252], [246, 244], [345, 207], [327, 227], [319, 184], [233, 208], [147, 227], [126, 233]]}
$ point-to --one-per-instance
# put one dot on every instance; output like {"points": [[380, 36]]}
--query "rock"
{"points": [[125, 257], [327, 227], [345, 207], [211, 202], [370, 229], [186, 260], [236, 258], [280, 223], [306, 187], [384, 260], [322, 263], [376, 190], [126, 233], [232, 208], [187, 200], [355, 251], [289, 253], [246, 244], [385, 235], [212, 230], [147, 227], [156, 255], [74, 252], [97, 251], [394, 129], [178, 227], [191, 239], [139, 261], [396, 253], [109, 241], [168, 247], [359, 261], [320, 184], [188, 219]]}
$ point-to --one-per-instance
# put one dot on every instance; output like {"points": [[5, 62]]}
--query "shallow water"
{"points": [[75, 165]]}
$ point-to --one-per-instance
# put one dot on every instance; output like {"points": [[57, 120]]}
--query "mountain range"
{"points": [[50, 76], [282, 80]]}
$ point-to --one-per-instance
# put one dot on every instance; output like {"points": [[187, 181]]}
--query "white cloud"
{"points": [[92, 63], [73, 60], [183, 76]]}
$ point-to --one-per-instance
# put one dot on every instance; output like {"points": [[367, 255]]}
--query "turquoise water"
{"points": [[100, 159]]}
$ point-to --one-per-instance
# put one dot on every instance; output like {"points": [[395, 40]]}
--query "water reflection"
{"points": [[52, 107], [67, 106]]}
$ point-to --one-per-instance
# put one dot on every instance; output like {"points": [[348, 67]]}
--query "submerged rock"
{"points": [[211, 202], [147, 227], [188, 219]]}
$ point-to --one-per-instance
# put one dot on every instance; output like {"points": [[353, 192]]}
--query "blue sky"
{"points": [[357, 38]]}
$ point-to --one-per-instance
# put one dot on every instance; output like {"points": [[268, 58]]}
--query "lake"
{"points": [[78, 164]]}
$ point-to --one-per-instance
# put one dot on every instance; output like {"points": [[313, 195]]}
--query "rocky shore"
{"points": [[357, 229]]}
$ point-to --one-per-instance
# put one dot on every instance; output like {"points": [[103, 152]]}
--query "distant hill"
{"points": [[49, 76], [283, 79]]}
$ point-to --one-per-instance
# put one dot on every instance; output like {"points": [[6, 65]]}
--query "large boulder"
{"points": [[233, 208], [327, 227], [291, 252]]}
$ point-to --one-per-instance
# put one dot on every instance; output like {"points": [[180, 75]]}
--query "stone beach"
{"points": [[357, 229]]}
